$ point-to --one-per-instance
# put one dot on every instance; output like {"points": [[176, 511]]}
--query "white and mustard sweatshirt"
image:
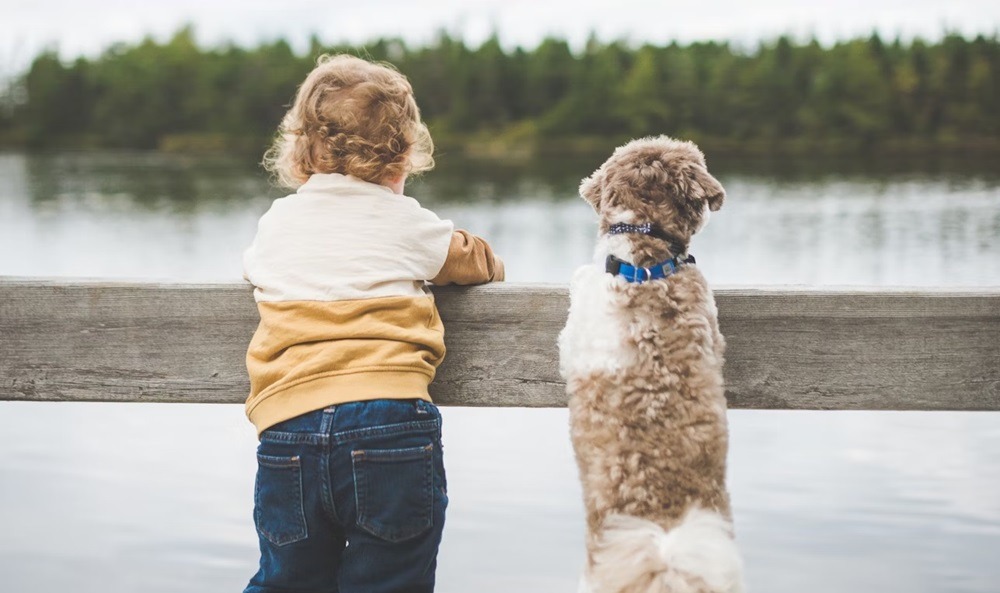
{"points": [[339, 271]]}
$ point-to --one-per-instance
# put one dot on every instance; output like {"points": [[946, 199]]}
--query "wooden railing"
{"points": [[787, 348]]}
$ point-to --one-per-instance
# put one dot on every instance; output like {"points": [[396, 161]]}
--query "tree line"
{"points": [[856, 94]]}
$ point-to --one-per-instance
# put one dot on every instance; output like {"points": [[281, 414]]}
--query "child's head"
{"points": [[352, 117]]}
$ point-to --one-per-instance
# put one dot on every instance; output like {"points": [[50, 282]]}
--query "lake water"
{"points": [[157, 498]]}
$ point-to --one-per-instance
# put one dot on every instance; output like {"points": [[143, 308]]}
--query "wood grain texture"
{"points": [[68, 340]]}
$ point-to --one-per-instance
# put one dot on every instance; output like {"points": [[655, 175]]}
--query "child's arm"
{"points": [[470, 261]]}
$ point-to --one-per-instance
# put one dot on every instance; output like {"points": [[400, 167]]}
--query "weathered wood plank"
{"points": [[788, 349]]}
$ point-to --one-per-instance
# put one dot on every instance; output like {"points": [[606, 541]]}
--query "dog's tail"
{"points": [[638, 556]]}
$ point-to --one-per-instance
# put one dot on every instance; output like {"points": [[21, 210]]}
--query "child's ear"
{"points": [[711, 190], [592, 187]]}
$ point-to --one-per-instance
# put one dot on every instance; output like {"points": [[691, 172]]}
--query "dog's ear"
{"points": [[592, 187], [710, 188]]}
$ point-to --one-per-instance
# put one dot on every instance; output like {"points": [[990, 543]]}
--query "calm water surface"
{"points": [[121, 498]]}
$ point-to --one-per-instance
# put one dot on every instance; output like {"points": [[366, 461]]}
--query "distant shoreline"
{"points": [[508, 146], [497, 145]]}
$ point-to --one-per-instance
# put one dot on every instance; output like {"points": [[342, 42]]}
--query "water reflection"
{"points": [[785, 222]]}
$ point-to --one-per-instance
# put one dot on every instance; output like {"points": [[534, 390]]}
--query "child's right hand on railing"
{"points": [[470, 261]]}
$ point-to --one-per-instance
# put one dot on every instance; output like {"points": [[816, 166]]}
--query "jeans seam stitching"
{"points": [[386, 430], [329, 504]]}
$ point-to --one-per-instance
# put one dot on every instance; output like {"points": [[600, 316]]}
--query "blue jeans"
{"points": [[351, 499]]}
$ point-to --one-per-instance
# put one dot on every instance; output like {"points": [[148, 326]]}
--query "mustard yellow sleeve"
{"points": [[470, 261]]}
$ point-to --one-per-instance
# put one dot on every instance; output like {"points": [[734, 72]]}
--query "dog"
{"points": [[642, 357]]}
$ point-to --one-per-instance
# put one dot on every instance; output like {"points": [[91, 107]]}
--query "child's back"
{"points": [[350, 492]]}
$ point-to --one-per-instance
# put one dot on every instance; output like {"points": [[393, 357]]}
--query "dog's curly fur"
{"points": [[643, 367]]}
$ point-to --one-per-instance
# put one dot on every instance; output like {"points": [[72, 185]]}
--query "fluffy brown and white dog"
{"points": [[642, 357]]}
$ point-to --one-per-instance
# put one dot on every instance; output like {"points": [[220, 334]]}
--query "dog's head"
{"points": [[656, 180]]}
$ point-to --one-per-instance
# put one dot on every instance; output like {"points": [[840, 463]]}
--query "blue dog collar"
{"points": [[639, 275]]}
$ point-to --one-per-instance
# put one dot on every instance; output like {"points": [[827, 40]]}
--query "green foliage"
{"points": [[856, 94]]}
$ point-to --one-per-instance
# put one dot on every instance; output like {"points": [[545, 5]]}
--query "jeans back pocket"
{"points": [[394, 489], [278, 509]]}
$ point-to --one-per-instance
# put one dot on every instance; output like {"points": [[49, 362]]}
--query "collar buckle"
{"points": [[639, 274]]}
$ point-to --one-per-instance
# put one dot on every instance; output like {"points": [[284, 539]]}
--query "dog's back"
{"points": [[643, 365]]}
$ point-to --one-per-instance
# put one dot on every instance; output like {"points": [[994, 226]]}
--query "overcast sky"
{"points": [[88, 26]]}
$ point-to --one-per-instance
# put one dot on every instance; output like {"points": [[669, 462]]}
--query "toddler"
{"points": [[350, 493]]}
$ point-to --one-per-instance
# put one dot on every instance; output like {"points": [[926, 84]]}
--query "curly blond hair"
{"points": [[353, 117]]}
